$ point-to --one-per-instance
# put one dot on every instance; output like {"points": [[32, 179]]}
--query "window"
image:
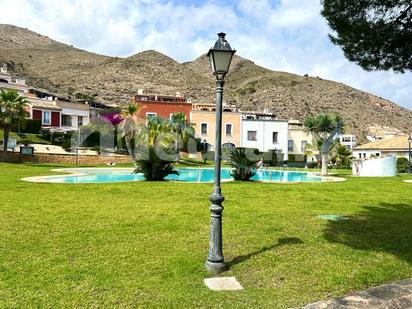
{"points": [[377, 154], [46, 117], [290, 145], [203, 128], [228, 129], [252, 136], [360, 156], [150, 115], [66, 120], [79, 121], [303, 145], [274, 137]]}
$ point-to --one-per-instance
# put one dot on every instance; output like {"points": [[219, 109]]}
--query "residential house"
{"points": [[298, 139], [203, 116], [45, 110], [264, 132], [59, 114], [397, 146], [153, 105], [73, 114], [348, 140], [53, 112], [7, 83]]}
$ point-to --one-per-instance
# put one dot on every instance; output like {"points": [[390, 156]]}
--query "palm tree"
{"points": [[183, 129], [342, 155], [314, 150], [243, 164], [12, 112], [130, 128], [324, 128], [155, 155]]}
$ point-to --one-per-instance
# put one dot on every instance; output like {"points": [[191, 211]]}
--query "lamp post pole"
{"points": [[215, 260], [220, 57], [410, 155]]}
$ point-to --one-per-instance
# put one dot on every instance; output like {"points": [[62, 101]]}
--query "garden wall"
{"points": [[66, 159]]}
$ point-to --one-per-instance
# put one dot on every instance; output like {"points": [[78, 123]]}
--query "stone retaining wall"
{"points": [[66, 159]]}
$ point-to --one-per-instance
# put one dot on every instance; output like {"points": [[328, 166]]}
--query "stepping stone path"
{"points": [[397, 295], [223, 284]]}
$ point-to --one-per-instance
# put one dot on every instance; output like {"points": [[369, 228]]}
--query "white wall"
{"points": [[74, 113], [351, 140], [378, 167], [366, 153], [264, 130]]}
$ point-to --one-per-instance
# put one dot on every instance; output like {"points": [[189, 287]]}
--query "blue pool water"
{"points": [[185, 175]]}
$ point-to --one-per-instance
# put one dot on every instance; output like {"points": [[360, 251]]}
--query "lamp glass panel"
{"points": [[212, 62], [222, 61]]}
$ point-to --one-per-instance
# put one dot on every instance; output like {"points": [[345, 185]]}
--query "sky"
{"points": [[283, 35]]}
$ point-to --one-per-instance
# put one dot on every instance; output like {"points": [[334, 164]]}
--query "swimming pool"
{"points": [[201, 175]]}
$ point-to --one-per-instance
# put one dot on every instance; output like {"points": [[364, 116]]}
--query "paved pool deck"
{"points": [[397, 295]]}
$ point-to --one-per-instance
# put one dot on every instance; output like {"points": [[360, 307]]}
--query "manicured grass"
{"points": [[34, 138], [144, 243]]}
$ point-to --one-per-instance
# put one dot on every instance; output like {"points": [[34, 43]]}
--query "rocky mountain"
{"points": [[67, 71]]}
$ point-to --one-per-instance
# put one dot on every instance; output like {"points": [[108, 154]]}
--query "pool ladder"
{"points": [[198, 174], [267, 166]]}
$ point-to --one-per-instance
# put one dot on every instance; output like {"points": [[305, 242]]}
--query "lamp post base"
{"points": [[215, 267]]}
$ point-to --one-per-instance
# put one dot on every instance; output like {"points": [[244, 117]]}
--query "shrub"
{"points": [[92, 139], [56, 138], [226, 153], [243, 161], [271, 157], [312, 164], [29, 126], [293, 158], [25, 141], [402, 165], [208, 155], [67, 140], [156, 163]]}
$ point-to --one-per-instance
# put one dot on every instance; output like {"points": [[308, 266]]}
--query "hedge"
{"points": [[28, 126]]}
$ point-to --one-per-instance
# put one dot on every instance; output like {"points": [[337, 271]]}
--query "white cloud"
{"points": [[288, 35]]}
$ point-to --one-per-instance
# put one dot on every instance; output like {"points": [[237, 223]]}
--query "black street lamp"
{"points": [[410, 154], [220, 57]]}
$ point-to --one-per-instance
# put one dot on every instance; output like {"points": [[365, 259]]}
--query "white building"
{"points": [[396, 146], [265, 134], [6, 82], [348, 140], [74, 114]]}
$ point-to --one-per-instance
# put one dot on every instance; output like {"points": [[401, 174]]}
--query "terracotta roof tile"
{"points": [[397, 142]]}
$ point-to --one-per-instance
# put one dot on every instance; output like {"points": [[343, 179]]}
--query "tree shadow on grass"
{"points": [[281, 242], [387, 228]]}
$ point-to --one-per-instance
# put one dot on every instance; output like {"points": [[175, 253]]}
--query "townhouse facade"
{"points": [[298, 139], [396, 146], [54, 113], [204, 119], [265, 134], [153, 105]]}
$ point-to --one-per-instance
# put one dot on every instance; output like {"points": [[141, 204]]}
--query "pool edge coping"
{"points": [[76, 171]]}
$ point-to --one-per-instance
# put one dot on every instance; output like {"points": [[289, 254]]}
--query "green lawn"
{"points": [[34, 138], [144, 244]]}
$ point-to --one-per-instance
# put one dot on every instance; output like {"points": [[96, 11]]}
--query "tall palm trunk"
{"points": [[324, 150], [130, 144], [325, 159]]}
